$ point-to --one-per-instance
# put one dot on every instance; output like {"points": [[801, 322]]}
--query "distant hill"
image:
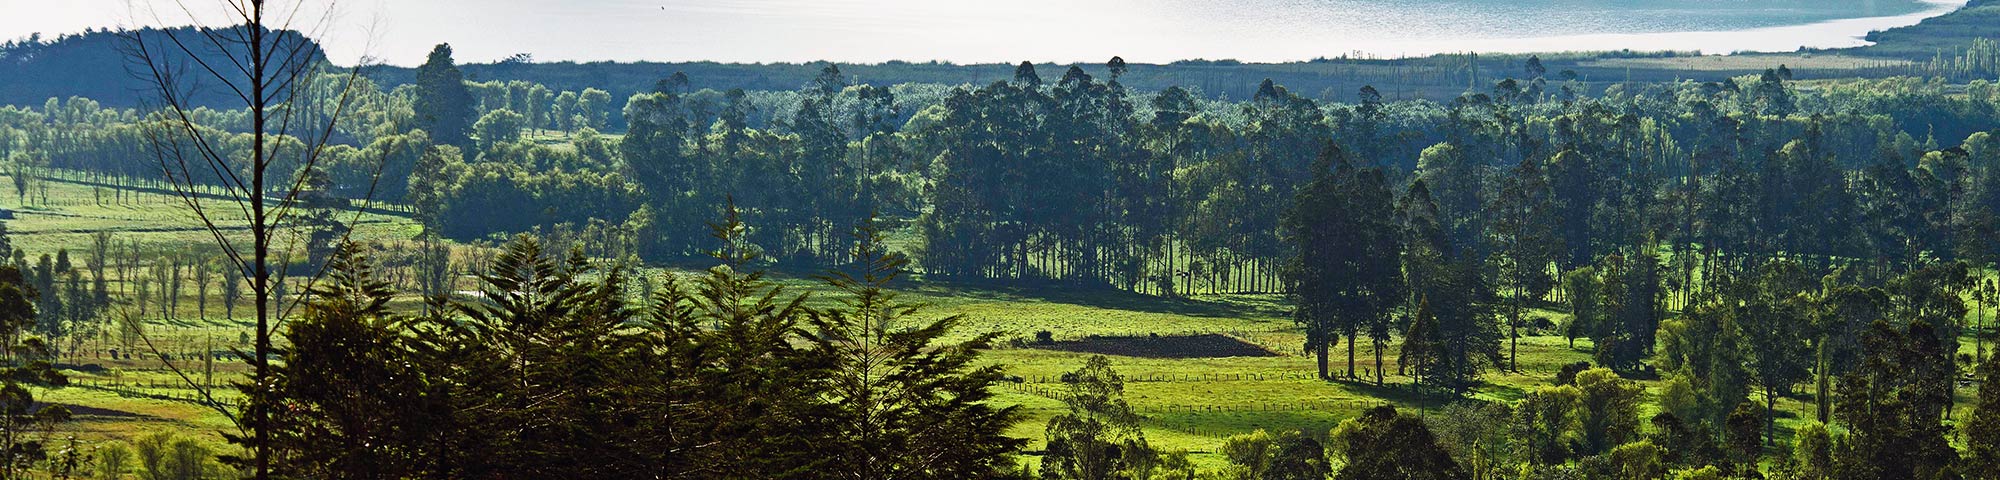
{"points": [[95, 64], [1947, 35]]}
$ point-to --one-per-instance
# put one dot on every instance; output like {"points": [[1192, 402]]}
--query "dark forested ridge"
{"points": [[97, 64]]}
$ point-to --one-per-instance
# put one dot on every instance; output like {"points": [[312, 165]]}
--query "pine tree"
{"points": [[28, 367], [443, 104], [910, 405], [360, 405]]}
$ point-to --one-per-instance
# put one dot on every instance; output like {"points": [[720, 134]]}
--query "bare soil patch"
{"points": [[1177, 346]]}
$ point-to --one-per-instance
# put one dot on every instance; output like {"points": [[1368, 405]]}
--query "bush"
{"points": [[113, 460], [163, 456], [1567, 376]]}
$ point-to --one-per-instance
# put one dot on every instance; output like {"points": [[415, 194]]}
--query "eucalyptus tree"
{"points": [[1345, 276], [1526, 243]]}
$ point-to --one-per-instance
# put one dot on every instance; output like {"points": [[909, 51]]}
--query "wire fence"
{"points": [[1171, 377], [169, 390]]}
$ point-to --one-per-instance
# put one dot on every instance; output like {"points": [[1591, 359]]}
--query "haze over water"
{"points": [[971, 31]]}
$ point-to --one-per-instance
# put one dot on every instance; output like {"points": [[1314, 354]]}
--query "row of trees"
{"points": [[1082, 181]]}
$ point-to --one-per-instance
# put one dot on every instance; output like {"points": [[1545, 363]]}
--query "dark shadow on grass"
{"points": [[204, 194], [1043, 290], [1169, 346], [88, 411]]}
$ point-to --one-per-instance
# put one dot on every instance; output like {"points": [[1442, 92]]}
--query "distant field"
{"points": [[1758, 62]]}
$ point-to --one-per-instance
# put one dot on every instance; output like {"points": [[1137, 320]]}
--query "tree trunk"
{"points": [[1321, 350], [1770, 416], [1514, 336], [1351, 345], [1823, 383], [1379, 345]]}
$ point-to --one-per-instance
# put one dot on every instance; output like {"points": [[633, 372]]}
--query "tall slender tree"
{"points": [[1525, 238], [265, 58], [1344, 276]]}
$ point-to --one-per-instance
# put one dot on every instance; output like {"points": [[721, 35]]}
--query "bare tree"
{"points": [[204, 275], [263, 57]]}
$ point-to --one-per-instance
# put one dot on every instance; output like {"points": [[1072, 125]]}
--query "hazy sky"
{"points": [[402, 31]]}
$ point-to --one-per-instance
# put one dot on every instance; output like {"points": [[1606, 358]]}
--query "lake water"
{"points": [[965, 31], [1166, 30]]}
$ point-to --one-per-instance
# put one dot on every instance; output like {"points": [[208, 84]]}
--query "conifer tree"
{"points": [[910, 404], [443, 105]]}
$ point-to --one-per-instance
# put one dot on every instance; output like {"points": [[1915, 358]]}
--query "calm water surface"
{"points": [[401, 31], [1164, 30]]}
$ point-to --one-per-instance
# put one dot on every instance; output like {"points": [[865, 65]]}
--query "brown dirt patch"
{"points": [[1179, 346]]}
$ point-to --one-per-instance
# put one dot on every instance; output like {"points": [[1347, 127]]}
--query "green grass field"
{"points": [[1192, 401]]}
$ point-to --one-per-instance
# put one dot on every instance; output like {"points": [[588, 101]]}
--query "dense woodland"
{"points": [[1739, 239]]}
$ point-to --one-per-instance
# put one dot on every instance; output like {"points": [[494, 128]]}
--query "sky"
{"points": [[401, 32]]}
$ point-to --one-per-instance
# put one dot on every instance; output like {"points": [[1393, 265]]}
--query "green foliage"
{"points": [[1477, 434], [165, 456], [1609, 410], [1982, 433], [552, 372], [1743, 437], [1523, 231], [1631, 296], [1383, 444], [1891, 404], [443, 105], [1300, 457], [26, 426], [114, 459], [910, 405], [498, 127], [1641, 460], [353, 383], [1099, 438], [1344, 277], [1249, 454], [1548, 421], [1582, 286], [1812, 452], [1287, 455]]}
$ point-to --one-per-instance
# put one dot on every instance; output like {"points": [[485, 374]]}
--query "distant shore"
{"points": [[1843, 33]]}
